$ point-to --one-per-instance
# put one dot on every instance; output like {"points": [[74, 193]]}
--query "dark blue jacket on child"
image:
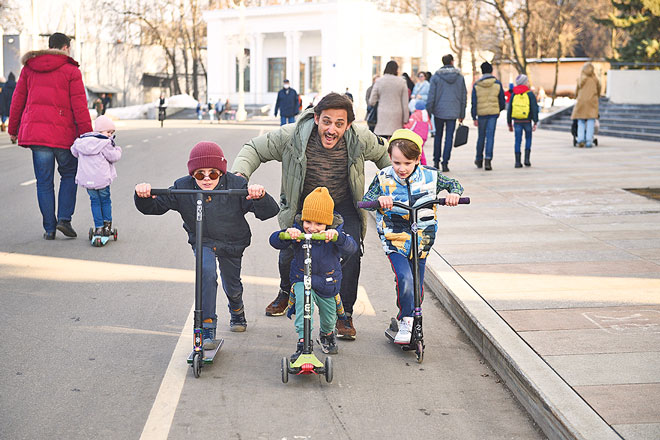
{"points": [[326, 265], [225, 227]]}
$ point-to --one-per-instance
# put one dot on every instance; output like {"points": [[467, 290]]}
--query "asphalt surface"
{"points": [[88, 334]]}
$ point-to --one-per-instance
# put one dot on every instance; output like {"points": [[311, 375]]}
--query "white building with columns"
{"points": [[319, 47]]}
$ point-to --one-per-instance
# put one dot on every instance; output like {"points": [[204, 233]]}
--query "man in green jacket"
{"points": [[322, 148]]}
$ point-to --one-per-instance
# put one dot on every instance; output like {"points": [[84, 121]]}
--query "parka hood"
{"points": [[486, 81], [448, 73], [47, 60], [519, 90], [587, 71], [92, 143]]}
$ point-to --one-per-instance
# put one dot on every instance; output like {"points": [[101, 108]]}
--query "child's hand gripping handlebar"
{"points": [[315, 236], [168, 191], [376, 204]]}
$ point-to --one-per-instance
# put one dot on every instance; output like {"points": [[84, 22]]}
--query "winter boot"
{"points": [[487, 166], [436, 164], [445, 167], [527, 162], [478, 163], [518, 163], [107, 228], [279, 304]]}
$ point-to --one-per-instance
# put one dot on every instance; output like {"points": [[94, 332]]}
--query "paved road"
{"points": [[88, 334]]}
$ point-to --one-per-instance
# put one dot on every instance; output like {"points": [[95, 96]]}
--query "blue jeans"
{"points": [[405, 293], [518, 128], [486, 135], [586, 131], [43, 159], [230, 274], [287, 119], [449, 139], [101, 205]]}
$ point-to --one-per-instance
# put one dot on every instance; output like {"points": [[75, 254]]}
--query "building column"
{"points": [[293, 58], [257, 63]]}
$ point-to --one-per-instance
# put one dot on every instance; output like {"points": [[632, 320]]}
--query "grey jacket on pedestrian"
{"points": [[390, 92], [448, 94]]}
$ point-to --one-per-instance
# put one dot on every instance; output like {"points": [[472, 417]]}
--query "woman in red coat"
{"points": [[48, 112]]}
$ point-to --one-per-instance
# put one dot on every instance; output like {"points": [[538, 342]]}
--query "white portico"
{"points": [[318, 47]]}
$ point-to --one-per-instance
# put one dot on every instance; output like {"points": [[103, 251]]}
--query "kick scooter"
{"points": [[199, 356], [101, 240], [417, 337], [307, 362]]}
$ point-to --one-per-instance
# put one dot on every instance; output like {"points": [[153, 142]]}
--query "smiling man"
{"points": [[323, 148]]}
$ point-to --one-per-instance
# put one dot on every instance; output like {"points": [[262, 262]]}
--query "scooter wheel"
{"points": [[328, 369], [285, 370], [419, 352], [91, 233], [114, 234], [197, 364]]}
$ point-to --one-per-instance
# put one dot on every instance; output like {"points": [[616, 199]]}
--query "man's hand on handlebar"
{"points": [[452, 199], [386, 202], [143, 190], [255, 192], [294, 233]]}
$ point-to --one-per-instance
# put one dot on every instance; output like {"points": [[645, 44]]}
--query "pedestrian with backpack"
{"points": [[521, 111]]}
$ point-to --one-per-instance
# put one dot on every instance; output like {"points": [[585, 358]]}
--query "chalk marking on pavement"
{"points": [[129, 146], [145, 140], [125, 330], [162, 412], [159, 136], [29, 182]]}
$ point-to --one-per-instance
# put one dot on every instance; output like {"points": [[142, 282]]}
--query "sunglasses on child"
{"points": [[212, 175]]}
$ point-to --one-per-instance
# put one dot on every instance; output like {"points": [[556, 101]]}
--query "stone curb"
{"points": [[558, 410]]}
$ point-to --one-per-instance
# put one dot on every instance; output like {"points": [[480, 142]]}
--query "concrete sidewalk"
{"points": [[554, 273]]}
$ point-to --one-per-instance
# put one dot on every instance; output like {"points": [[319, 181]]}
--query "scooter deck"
{"points": [[391, 332], [100, 240], [209, 355]]}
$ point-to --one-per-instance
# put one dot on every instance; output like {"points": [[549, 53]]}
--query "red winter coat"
{"points": [[49, 106]]}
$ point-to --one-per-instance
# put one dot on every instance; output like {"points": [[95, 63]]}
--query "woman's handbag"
{"points": [[461, 137]]}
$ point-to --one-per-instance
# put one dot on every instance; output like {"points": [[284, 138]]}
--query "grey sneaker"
{"points": [[328, 343], [238, 323], [208, 339]]}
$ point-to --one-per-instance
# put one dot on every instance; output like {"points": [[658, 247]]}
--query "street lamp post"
{"points": [[425, 34], [241, 114]]}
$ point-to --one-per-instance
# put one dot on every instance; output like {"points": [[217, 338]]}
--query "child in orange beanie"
{"points": [[317, 216]]}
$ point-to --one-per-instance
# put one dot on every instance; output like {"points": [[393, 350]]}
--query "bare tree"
{"points": [[516, 16]]}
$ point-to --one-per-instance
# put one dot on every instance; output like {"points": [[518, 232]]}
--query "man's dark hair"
{"points": [[486, 67], [392, 68], [447, 59], [335, 101], [59, 41]]}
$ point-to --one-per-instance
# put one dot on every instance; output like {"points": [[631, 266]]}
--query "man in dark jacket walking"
{"points": [[287, 104], [487, 103], [446, 102], [48, 112], [5, 100]]}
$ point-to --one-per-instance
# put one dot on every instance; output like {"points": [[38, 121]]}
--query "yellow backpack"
{"points": [[520, 106]]}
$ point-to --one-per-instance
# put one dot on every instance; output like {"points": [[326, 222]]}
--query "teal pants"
{"points": [[327, 310]]}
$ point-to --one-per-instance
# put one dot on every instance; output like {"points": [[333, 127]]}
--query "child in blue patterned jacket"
{"points": [[407, 181]]}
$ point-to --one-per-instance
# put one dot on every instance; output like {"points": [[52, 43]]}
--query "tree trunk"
{"points": [[554, 86]]}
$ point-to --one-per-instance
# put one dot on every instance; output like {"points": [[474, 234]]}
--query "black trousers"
{"points": [[350, 266]]}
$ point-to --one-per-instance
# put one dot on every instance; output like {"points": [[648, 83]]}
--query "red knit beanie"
{"points": [[207, 155]]}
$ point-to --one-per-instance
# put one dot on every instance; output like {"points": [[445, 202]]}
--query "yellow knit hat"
{"points": [[404, 133], [318, 206]]}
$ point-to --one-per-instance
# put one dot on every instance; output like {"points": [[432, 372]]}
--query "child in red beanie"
{"points": [[226, 232]]}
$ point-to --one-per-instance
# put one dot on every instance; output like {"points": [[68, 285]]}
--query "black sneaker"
{"points": [[238, 323], [64, 226], [299, 350], [208, 339], [328, 343], [107, 228], [49, 235]]}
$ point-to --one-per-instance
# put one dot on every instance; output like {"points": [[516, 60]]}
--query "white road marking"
{"points": [[29, 182], [162, 412], [7, 146]]}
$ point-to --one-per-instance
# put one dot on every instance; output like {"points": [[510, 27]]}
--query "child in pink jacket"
{"points": [[97, 153], [419, 123]]}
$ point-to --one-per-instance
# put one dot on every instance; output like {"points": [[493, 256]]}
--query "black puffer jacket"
{"points": [[225, 227]]}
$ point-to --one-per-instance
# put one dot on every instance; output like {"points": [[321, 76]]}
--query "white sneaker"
{"points": [[405, 327]]}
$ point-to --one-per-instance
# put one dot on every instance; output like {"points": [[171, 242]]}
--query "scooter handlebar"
{"points": [[376, 204], [315, 236], [169, 191]]}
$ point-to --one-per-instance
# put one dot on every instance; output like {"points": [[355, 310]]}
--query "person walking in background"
{"points": [[446, 102], [5, 100], [409, 83], [586, 106], [48, 112], [107, 100], [420, 92], [372, 114], [391, 94], [487, 103], [287, 104], [200, 111], [420, 124], [521, 111], [98, 106]]}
